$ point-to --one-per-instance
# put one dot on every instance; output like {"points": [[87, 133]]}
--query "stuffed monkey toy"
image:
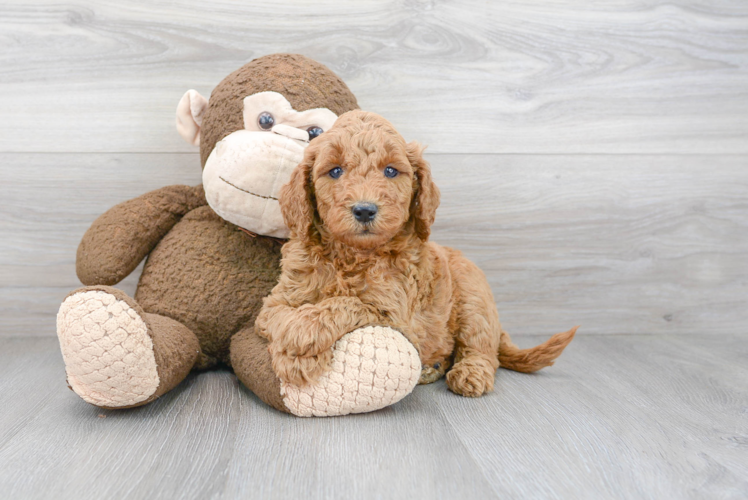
{"points": [[213, 254]]}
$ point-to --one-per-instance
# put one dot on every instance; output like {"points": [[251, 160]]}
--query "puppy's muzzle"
{"points": [[364, 212]]}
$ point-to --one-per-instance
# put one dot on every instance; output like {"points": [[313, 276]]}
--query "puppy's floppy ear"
{"points": [[425, 193], [296, 198]]}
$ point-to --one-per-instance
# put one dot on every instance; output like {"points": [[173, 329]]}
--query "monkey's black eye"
{"points": [[314, 132], [265, 121], [390, 171], [335, 172]]}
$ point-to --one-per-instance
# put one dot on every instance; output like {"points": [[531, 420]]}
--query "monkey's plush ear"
{"points": [[425, 193], [190, 116], [296, 197]]}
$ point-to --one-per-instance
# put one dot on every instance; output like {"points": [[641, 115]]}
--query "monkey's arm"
{"points": [[122, 236]]}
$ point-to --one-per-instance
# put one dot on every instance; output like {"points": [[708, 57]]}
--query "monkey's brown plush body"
{"points": [[203, 282], [208, 264]]}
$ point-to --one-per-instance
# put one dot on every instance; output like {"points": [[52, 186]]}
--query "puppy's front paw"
{"points": [[471, 378], [300, 370], [308, 333]]}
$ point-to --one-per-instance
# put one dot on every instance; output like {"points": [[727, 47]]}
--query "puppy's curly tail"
{"points": [[532, 359]]}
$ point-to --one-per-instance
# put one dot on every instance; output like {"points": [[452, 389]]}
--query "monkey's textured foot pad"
{"points": [[372, 367], [107, 350]]}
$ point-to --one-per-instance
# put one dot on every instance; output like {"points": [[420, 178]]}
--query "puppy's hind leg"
{"points": [[476, 327]]}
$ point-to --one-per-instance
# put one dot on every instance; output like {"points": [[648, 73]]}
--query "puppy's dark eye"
{"points": [[335, 172], [314, 132], [390, 171], [265, 121]]}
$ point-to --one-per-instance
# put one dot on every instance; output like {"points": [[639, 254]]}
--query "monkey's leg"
{"points": [[372, 367], [478, 329], [118, 356]]}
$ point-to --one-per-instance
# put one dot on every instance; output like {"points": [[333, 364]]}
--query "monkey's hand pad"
{"points": [[373, 367]]}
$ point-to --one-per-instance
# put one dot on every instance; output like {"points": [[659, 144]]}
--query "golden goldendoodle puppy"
{"points": [[359, 208]]}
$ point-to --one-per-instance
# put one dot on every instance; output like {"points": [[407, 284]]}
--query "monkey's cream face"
{"points": [[245, 171]]}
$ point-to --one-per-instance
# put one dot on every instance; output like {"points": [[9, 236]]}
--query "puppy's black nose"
{"points": [[364, 212]]}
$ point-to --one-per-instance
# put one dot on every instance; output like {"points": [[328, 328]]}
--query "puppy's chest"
{"points": [[393, 292]]}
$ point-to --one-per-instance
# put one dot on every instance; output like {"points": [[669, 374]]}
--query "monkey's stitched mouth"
{"points": [[248, 192]]}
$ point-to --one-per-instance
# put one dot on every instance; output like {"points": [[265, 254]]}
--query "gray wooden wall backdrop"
{"points": [[592, 154]]}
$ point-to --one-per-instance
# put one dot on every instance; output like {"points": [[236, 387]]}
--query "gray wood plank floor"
{"points": [[630, 417]]}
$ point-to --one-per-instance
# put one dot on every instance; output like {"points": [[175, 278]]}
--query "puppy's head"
{"points": [[360, 184]]}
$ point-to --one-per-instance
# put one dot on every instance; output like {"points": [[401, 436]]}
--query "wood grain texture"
{"points": [[619, 417], [637, 244], [519, 76], [616, 243], [629, 417], [49, 202]]}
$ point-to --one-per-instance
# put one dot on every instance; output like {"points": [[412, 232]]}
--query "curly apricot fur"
{"points": [[339, 274]]}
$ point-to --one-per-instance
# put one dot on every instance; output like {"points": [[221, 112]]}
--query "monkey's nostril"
{"points": [[364, 212]]}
